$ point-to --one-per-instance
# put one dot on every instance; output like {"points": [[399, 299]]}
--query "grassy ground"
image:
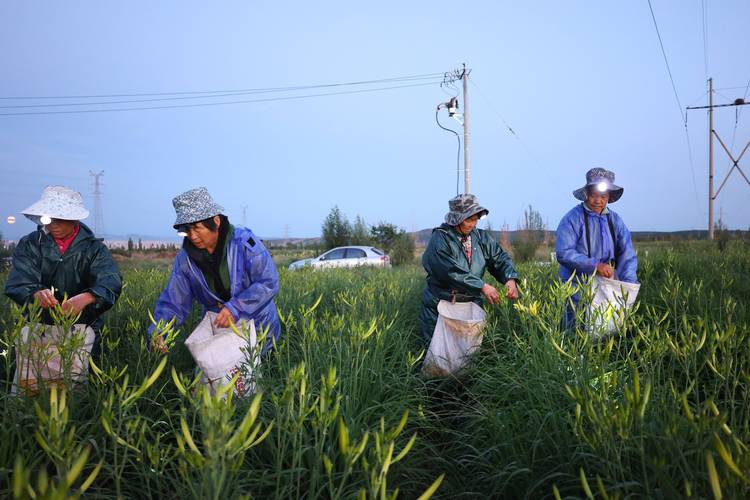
{"points": [[662, 412]]}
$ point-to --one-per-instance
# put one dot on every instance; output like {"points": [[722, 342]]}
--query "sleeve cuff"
{"points": [[98, 298], [233, 310]]}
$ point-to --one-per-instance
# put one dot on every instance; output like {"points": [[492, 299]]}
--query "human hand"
{"points": [[77, 303], [605, 270], [158, 344], [224, 318], [46, 298], [511, 290], [491, 293]]}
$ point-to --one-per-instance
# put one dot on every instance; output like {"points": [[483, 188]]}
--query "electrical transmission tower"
{"points": [[735, 161], [98, 213]]}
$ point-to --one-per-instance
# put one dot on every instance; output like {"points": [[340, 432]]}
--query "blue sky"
{"points": [[582, 84]]}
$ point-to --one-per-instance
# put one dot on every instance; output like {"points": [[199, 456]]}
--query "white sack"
{"points": [[220, 354], [612, 299], [38, 357], [458, 333]]}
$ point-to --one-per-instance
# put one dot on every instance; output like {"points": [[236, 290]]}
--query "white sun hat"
{"points": [[58, 202]]}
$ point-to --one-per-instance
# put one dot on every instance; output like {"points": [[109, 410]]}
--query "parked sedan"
{"points": [[345, 257]]}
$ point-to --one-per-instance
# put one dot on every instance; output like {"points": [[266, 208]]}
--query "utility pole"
{"points": [[244, 216], [98, 215], [710, 159], [467, 134], [735, 162], [462, 118]]}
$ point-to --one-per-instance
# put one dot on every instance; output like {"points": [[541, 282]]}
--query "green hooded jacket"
{"points": [[451, 276], [86, 266]]}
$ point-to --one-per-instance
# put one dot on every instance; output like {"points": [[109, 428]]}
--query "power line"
{"points": [[507, 126], [663, 52], [256, 90], [683, 117], [186, 97], [223, 103], [458, 151], [696, 100], [731, 88], [737, 113]]}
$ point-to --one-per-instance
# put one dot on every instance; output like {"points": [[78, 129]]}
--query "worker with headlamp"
{"points": [[592, 239]]}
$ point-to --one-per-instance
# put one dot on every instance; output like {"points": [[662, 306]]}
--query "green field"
{"points": [[662, 412]]}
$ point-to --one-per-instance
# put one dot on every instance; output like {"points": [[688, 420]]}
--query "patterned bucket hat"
{"points": [[194, 205], [58, 202], [462, 207], [604, 180]]}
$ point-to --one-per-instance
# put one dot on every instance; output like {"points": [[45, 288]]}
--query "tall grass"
{"points": [[342, 412]]}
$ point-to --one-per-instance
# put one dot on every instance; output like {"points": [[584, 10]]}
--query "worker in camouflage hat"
{"points": [[456, 259]]}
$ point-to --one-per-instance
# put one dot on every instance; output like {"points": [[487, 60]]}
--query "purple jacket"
{"points": [[254, 283]]}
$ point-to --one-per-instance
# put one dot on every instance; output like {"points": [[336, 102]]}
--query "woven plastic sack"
{"points": [[221, 353], [39, 358], [458, 333], [612, 299]]}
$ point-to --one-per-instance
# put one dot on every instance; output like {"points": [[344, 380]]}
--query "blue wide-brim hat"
{"points": [[604, 180], [193, 206]]}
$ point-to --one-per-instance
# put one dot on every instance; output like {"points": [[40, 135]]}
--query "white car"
{"points": [[345, 257]]}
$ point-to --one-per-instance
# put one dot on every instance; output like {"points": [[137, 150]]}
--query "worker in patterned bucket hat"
{"points": [[456, 259], [224, 268], [592, 238]]}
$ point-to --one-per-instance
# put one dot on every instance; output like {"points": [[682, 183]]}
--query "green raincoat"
{"points": [[450, 276], [86, 266]]}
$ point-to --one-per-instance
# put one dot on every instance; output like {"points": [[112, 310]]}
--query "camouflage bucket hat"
{"points": [[462, 207], [194, 205], [604, 180]]}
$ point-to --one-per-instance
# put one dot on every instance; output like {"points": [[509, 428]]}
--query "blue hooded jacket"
{"points": [[573, 252], [254, 283]]}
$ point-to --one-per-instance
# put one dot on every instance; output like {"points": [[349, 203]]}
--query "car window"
{"points": [[379, 252], [337, 253], [355, 253]]}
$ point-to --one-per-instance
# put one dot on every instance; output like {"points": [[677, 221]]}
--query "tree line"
{"points": [[395, 241]]}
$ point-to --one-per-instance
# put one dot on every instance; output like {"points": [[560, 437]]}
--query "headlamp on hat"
{"points": [[45, 220], [602, 187]]}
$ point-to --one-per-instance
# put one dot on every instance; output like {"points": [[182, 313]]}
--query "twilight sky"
{"points": [[581, 83]]}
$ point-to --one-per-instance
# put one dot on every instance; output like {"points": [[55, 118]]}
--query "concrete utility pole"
{"points": [[710, 158], [98, 215], [244, 216], [467, 134], [735, 162], [462, 118]]}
